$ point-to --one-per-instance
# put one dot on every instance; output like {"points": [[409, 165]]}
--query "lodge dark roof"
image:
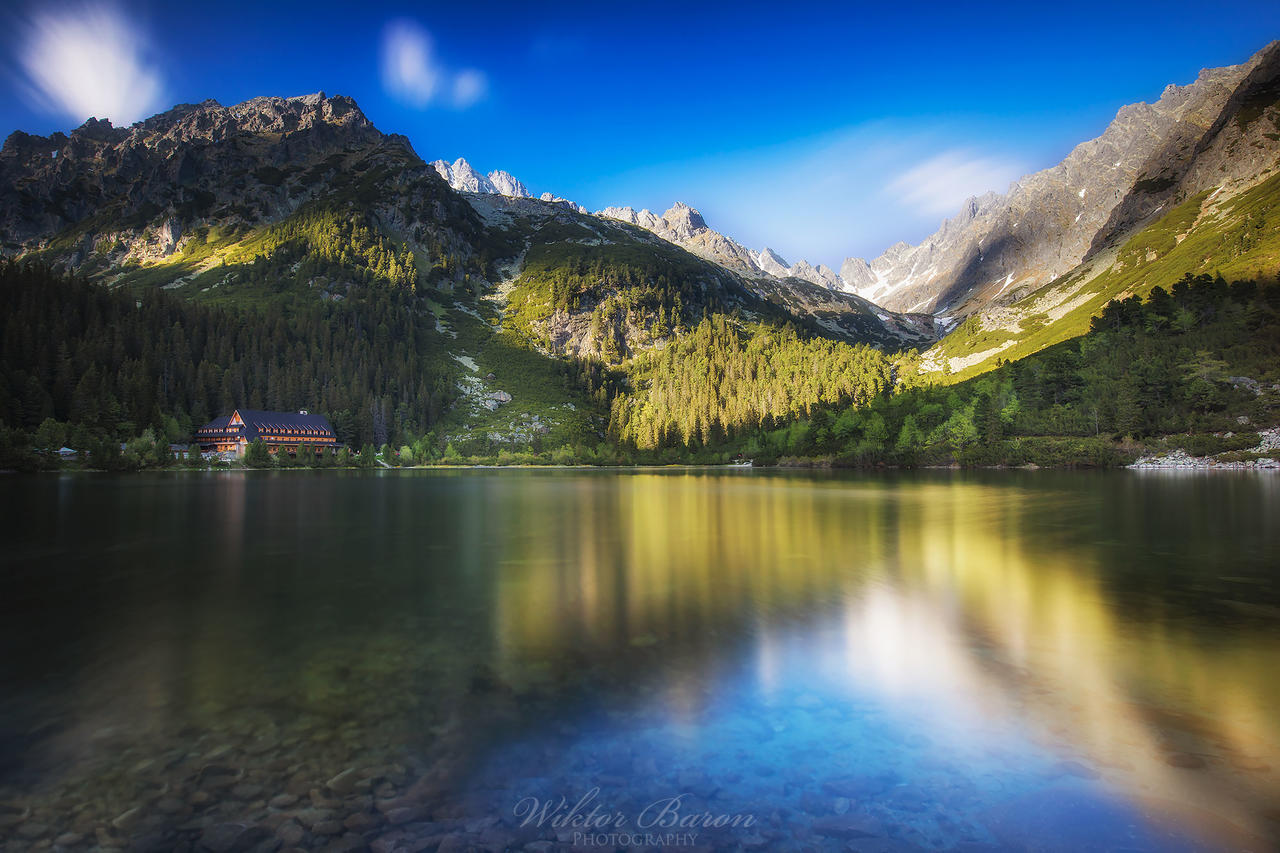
{"points": [[288, 420], [257, 421]]}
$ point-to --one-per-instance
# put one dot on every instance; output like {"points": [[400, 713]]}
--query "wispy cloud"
{"points": [[89, 60], [468, 87], [850, 192], [942, 183], [414, 75]]}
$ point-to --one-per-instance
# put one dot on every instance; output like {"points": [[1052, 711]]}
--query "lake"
{"points": [[697, 659]]}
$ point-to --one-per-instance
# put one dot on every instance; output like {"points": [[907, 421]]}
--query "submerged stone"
{"points": [[848, 826]]}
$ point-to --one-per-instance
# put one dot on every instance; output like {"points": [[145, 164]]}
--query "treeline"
{"points": [[112, 365], [321, 241], [1190, 361], [719, 379], [97, 368]]}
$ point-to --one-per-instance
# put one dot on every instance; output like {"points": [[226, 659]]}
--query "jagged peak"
{"points": [[682, 214], [770, 254], [464, 177]]}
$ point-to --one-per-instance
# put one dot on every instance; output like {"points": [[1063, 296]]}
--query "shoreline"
{"points": [[1180, 460], [1265, 456], [1176, 461]]}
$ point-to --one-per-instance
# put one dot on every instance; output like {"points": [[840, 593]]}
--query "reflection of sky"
{"points": [[986, 658], [945, 608]]}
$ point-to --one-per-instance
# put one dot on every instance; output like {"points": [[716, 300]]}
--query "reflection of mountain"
{"points": [[958, 601], [1007, 621]]}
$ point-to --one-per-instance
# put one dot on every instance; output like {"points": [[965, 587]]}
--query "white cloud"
{"points": [[412, 74], [941, 184], [90, 60], [409, 70], [468, 87]]}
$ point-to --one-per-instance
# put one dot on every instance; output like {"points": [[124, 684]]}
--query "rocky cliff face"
{"points": [[102, 197], [1239, 147], [1002, 246], [170, 160]]}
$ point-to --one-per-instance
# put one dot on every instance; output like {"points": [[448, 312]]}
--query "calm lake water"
{"points": [[547, 659]]}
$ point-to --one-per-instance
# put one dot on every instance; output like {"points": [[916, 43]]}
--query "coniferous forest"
{"points": [[94, 367], [1195, 367], [110, 366]]}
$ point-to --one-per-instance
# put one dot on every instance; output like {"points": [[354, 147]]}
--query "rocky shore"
{"points": [[1180, 459]]}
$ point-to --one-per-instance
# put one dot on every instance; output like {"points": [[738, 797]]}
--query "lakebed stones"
{"points": [[231, 837], [246, 791], [344, 783], [170, 806], [291, 833], [32, 830], [12, 814], [328, 827]]}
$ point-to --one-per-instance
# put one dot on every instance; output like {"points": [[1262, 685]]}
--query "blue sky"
{"points": [[821, 130]]}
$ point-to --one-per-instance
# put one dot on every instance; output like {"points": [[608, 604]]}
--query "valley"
{"points": [[440, 314]]}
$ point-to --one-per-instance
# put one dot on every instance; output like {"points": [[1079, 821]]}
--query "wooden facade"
{"points": [[292, 432]]}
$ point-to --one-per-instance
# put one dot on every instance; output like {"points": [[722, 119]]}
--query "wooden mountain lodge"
{"points": [[294, 432]]}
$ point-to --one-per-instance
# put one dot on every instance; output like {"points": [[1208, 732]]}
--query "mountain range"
{"points": [[1208, 135], [280, 202], [283, 203]]}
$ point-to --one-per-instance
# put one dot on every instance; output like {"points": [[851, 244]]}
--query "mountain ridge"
{"points": [[169, 200], [165, 200], [999, 246]]}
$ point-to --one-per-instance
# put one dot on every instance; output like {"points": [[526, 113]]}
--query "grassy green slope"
{"points": [[1237, 239]]}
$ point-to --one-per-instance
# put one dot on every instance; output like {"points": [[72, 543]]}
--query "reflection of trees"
{"points": [[1069, 605], [990, 601]]}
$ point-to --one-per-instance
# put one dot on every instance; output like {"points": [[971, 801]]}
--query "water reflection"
{"points": [[932, 660], [979, 612]]}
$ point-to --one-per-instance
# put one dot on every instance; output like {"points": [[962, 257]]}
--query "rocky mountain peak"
{"points": [[855, 273], [821, 274], [772, 263], [683, 220], [182, 167], [99, 130], [681, 224], [464, 178]]}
